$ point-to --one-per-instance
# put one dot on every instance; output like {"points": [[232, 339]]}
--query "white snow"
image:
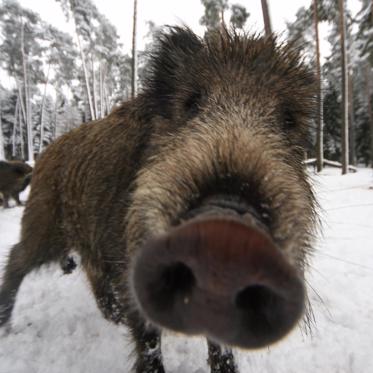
{"points": [[56, 326]]}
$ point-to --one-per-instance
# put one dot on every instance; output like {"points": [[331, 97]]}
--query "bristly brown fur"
{"points": [[228, 114]]}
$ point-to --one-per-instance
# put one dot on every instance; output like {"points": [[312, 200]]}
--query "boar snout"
{"points": [[220, 277]]}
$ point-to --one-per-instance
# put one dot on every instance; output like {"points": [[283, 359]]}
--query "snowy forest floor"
{"points": [[56, 326]]}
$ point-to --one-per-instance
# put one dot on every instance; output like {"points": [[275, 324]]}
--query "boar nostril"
{"points": [[257, 298], [174, 280], [177, 278], [267, 313]]}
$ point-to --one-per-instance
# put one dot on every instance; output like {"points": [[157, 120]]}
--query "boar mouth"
{"points": [[230, 206]]}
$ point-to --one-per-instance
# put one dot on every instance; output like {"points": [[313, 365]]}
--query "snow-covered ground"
{"points": [[56, 326]]}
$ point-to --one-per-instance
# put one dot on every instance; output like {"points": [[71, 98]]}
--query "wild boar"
{"points": [[189, 205], [15, 176]]}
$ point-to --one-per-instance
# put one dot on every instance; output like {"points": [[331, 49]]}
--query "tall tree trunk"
{"points": [[134, 52], [319, 119], [85, 71], [107, 104], [101, 92], [222, 20], [94, 94], [20, 98], [21, 114], [2, 142], [21, 137], [42, 112], [368, 94], [342, 30], [14, 144], [266, 18], [351, 110], [55, 119], [30, 136]]}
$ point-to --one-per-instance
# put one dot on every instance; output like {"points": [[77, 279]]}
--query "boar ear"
{"points": [[168, 68]]}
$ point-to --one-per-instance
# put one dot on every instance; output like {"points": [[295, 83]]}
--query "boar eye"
{"points": [[191, 105], [288, 119]]}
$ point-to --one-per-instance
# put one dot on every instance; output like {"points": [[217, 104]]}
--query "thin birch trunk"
{"points": [[94, 94], [85, 71], [42, 112], [30, 145], [30, 137], [55, 119], [342, 30], [21, 138], [222, 20], [369, 97], [101, 92], [368, 94], [266, 18], [106, 101], [134, 52], [352, 139], [2, 143], [21, 114], [23, 109], [14, 135], [319, 119]]}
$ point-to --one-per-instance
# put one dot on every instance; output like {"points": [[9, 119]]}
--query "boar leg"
{"points": [[220, 361], [5, 200], [14, 273], [148, 345], [105, 294], [22, 260], [16, 198], [41, 243], [147, 341]]}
